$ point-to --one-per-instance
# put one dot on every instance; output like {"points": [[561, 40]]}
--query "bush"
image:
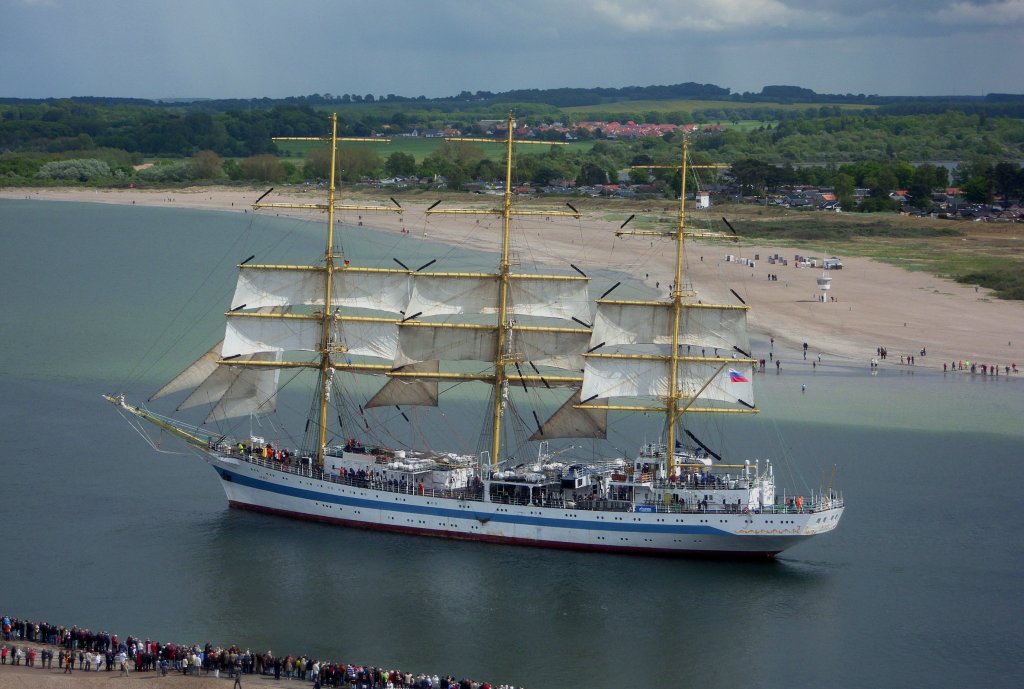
{"points": [[79, 170]]}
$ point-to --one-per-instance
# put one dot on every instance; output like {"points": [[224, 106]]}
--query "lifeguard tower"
{"points": [[824, 284]]}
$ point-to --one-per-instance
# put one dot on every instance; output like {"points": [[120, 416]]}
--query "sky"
{"points": [[265, 48]]}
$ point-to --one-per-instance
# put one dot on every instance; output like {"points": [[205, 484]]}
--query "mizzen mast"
{"points": [[676, 400]]}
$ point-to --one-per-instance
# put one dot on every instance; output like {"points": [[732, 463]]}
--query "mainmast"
{"points": [[504, 357], [327, 318]]}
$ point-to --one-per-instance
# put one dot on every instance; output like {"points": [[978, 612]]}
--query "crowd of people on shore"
{"points": [[958, 366], [32, 644], [975, 367]]}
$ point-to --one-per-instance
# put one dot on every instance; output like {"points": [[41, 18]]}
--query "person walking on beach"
{"points": [[122, 661]]}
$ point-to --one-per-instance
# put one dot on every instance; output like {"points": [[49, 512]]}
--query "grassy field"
{"points": [[692, 105], [418, 147]]}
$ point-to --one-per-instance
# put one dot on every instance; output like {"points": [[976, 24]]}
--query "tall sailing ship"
{"points": [[422, 330]]}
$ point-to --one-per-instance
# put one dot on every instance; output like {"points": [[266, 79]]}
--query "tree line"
{"points": [[102, 142]]}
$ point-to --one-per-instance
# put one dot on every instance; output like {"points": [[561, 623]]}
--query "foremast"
{"points": [[504, 356], [676, 401], [327, 318]]}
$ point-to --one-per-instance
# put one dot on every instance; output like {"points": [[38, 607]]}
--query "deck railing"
{"points": [[299, 468]]}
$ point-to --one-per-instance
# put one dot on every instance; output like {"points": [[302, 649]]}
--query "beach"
{"points": [[875, 304]]}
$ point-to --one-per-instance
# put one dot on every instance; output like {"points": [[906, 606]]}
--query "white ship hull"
{"points": [[249, 485]]}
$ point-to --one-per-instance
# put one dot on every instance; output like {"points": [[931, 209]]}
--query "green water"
{"points": [[919, 586]]}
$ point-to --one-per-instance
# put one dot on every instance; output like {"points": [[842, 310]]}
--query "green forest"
{"points": [[782, 136], [873, 155]]}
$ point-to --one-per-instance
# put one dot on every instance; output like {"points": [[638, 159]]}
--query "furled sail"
{"points": [[706, 326], [381, 290]]}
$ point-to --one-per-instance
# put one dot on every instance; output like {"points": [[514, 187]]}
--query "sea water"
{"points": [[919, 585]]}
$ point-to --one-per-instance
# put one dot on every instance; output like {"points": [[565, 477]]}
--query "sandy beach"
{"points": [[875, 305]]}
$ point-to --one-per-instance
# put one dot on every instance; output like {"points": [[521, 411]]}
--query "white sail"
{"points": [[246, 335], [212, 388], [550, 297], [550, 348], [570, 422], [252, 390], [374, 339], [733, 384], [194, 374], [259, 287], [434, 295], [608, 377], [378, 290], [381, 290], [705, 326], [233, 383], [561, 349], [408, 391]]}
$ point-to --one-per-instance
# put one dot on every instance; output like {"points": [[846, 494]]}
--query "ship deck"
{"points": [[469, 494]]}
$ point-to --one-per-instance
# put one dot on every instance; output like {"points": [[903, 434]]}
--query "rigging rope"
{"points": [[136, 425]]}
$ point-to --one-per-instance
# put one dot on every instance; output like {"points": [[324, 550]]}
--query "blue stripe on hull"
{"points": [[558, 545], [730, 545], [523, 520]]}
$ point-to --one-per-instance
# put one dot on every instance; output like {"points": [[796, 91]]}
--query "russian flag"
{"points": [[736, 377]]}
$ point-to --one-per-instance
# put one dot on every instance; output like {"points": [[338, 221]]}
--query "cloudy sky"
{"points": [[253, 48]]}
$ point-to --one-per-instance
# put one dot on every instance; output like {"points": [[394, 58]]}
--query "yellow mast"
{"points": [[673, 409], [504, 358], [327, 318], [677, 309]]}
